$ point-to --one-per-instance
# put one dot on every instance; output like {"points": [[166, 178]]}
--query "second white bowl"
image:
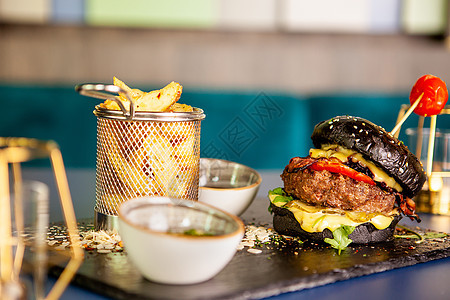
{"points": [[227, 185]]}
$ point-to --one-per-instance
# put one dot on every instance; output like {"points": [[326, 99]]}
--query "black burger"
{"points": [[358, 176]]}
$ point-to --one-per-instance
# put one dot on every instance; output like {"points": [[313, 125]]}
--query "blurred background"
{"points": [[283, 45], [264, 71]]}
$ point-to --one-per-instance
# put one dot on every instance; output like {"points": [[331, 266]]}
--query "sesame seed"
{"points": [[254, 251]]}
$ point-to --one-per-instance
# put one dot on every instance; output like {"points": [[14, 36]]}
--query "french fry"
{"points": [[163, 100], [178, 107], [134, 93], [160, 100], [184, 152], [112, 105], [163, 165]]}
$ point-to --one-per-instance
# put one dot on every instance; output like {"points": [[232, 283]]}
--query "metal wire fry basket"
{"points": [[142, 154]]}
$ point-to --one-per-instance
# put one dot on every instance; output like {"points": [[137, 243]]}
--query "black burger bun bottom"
{"points": [[284, 222], [376, 145]]}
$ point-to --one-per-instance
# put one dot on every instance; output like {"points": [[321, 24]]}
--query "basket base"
{"points": [[106, 222]]}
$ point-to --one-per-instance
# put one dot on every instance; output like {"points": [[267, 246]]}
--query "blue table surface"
{"points": [[430, 280]]}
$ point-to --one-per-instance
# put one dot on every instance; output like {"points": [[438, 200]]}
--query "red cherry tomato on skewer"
{"points": [[435, 95]]}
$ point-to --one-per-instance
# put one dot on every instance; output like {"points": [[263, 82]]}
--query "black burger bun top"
{"points": [[376, 145]]}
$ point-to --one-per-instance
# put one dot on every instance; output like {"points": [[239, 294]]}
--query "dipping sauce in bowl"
{"points": [[176, 241], [227, 185]]}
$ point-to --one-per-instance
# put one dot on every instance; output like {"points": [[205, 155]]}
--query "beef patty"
{"points": [[336, 190]]}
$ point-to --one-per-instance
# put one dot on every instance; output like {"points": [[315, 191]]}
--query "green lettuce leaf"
{"points": [[340, 239], [281, 195]]}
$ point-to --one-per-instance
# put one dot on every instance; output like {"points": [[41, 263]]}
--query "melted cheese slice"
{"points": [[343, 154], [316, 219]]}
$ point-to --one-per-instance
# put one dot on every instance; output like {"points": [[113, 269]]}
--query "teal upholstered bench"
{"points": [[51, 113], [259, 129]]}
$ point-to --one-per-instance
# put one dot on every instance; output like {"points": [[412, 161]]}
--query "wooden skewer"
{"points": [[406, 115], [400, 114], [431, 138], [419, 141]]}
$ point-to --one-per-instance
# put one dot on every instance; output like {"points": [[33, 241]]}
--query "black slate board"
{"points": [[274, 271]]}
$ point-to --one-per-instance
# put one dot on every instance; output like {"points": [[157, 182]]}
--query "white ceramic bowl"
{"points": [[227, 185], [154, 232]]}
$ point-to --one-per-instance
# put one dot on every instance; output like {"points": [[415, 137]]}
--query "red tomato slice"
{"points": [[335, 167], [435, 95]]}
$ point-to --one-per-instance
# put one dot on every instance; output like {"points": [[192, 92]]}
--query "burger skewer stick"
{"points": [[406, 115], [431, 144], [419, 141]]}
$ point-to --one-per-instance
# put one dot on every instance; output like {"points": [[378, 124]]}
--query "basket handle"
{"points": [[106, 92]]}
